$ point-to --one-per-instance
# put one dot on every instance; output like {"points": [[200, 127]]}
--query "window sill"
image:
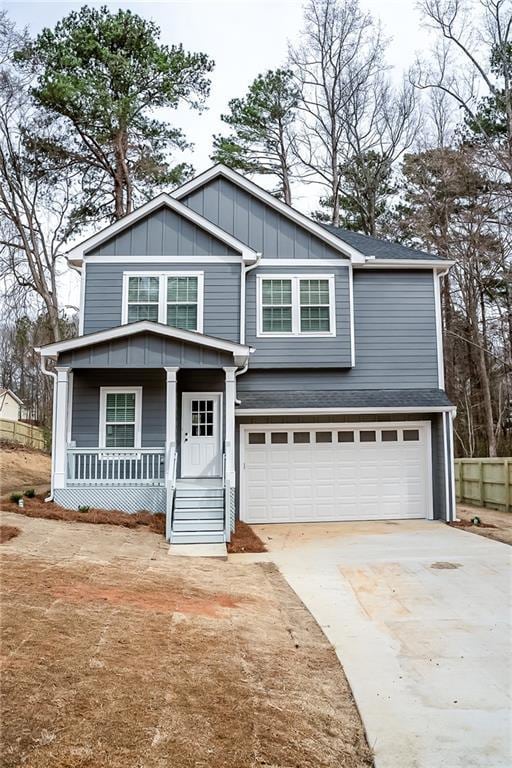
{"points": [[303, 335]]}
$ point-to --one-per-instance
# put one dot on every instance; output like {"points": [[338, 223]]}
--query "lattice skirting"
{"points": [[125, 499], [232, 508]]}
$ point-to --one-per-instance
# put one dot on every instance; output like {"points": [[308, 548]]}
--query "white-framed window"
{"points": [[296, 305], [120, 417], [170, 298]]}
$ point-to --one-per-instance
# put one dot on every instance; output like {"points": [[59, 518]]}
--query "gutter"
{"points": [[341, 411]]}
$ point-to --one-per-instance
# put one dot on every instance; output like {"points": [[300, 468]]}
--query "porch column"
{"points": [[170, 408], [61, 426], [230, 419]]}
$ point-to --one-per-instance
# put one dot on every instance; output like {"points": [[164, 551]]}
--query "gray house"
{"points": [[236, 358]]}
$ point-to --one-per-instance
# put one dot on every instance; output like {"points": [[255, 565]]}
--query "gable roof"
{"points": [[380, 249], [144, 326], [219, 170], [76, 254], [4, 391]]}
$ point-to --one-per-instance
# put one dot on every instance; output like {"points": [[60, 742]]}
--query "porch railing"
{"points": [[171, 472], [114, 466]]}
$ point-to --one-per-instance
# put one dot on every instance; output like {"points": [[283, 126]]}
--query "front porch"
{"points": [[153, 437]]}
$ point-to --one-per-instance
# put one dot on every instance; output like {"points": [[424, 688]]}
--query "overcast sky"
{"points": [[244, 37]]}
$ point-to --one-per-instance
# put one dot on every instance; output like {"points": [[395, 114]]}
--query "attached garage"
{"points": [[334, 472]]}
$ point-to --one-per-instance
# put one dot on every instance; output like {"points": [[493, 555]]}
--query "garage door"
{"points": [[326, 473]]}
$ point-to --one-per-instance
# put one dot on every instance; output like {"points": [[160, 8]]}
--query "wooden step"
{"points": [[205, 537], [198, 514], [197, 526], [192, 493], [198, 502]]}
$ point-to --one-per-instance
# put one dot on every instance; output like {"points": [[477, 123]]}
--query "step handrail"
{"points": [[172, 465]]}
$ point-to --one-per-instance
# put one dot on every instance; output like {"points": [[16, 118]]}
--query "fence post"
{"points": [[508, 492], [481, 482]]}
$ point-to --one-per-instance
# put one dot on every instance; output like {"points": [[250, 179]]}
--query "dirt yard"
{"points": [[116, 654], [501, 522], [22, 468]]}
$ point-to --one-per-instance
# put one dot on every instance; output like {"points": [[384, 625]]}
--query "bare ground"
{"points": [[501, 522], [22, 468], [115, 654]]}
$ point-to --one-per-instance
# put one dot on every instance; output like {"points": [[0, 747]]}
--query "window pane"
{"points": [[389, 435], [142, 312], [347, 436], [120, 407], [367, 436], [182, 289], [277, 291], [120, 436], [277, 319], [411, 434], [143, 289], [182, 316], [279, 437], [314, 319], [314, 292], [323, 437], [257, 438], [301, 437]]}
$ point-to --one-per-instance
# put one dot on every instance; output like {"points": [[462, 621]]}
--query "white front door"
{"points": [[201, 430]]}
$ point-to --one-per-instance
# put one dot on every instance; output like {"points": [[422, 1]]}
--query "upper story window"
{"points": [[296, 305], [171, 298]]}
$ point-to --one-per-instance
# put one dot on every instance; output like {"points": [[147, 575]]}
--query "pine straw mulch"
{"points": [[244, 539], [8, 532], [189, 664], [38, 507]]}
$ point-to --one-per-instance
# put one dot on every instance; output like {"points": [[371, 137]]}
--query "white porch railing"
{"points": [[171, 472], [114, 466]]}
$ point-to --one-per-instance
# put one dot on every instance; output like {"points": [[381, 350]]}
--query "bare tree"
{"points": [[34, 220]]}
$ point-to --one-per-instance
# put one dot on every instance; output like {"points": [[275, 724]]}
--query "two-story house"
{"points": [[236, 358]]}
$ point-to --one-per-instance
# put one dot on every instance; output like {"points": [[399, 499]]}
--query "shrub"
{"points": [[15, 497], [84, 508], [30, 493]]}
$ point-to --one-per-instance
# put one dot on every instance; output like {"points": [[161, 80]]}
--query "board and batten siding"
{"points": [[163, 233], [255, 223], [104, 291], [395, 339], [301, 351]]}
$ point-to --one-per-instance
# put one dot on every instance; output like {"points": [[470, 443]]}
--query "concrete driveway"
{"points": [[420, 617]]}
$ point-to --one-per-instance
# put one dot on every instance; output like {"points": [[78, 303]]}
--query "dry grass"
{"points": [[22, 467], [37, 507], [244, 539], [493, 524], [156, 662], [8, 532]]}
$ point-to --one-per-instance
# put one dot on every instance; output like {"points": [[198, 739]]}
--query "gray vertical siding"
{"points": [[104, 289], [163, 233], [301, 351], [255, 223]]}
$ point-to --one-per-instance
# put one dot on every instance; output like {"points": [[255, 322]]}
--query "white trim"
{"points": [[162, 287], [341, 411], [439, 328], [70, 407], [104, 391], [447, 510], [374, 263], [351, 316], [144, 326], [273, 202], [81, 310], [170, 202], [172, 260], [61, 429], [453, 509], [295, 305], [265, 262], [170, 406], [243, 428]]}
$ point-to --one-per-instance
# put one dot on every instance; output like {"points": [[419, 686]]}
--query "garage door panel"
{"points": [[323, 481]]}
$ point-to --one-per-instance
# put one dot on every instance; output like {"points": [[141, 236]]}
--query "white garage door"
{"points": [[320, 472]]}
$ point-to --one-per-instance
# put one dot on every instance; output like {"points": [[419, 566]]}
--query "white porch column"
{"points": [[61, 426], [230, 420], [170, 408]]}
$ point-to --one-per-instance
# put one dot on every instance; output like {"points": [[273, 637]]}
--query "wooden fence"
{"points": [[484, 482], [26, 434]]}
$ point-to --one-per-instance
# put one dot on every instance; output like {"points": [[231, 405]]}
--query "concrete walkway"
{"points": [[420, 617]]}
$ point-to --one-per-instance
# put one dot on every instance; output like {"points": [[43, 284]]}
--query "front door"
{"points": [[201, 435]]}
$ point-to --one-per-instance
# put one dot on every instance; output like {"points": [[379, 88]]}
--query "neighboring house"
{"points": [[10, 405], [237, 358]]}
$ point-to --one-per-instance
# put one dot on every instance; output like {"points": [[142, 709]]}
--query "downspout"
{"points": [[47, 372], [243, 273]]}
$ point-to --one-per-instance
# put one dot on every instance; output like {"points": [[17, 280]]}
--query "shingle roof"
{"points": [[381, 249], [375, 398]]}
